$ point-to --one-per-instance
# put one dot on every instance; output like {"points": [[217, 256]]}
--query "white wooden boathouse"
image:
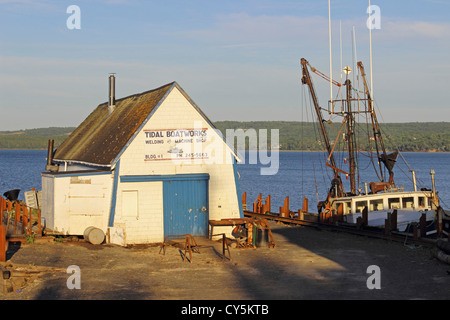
{"points": [[141, 168]]}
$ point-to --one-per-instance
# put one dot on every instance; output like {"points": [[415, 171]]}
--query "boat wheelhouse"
{"points": [[410, 206]]}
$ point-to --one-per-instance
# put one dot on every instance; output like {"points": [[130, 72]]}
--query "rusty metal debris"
{"points": [[246, 231], [190, 245]]}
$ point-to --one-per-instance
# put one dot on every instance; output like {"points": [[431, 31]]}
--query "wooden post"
{"points": [[365, 219], [394, 220], [257, 204], [340, 212], [2, 243], [388, 224], [266, 206], [39, 221], [250, 233], [423, 225], [301, 215], [305, 204], [24, 219], [284, 210], [30, 221], [244, 201], [415, 233], [2, 208], [16, 216]]}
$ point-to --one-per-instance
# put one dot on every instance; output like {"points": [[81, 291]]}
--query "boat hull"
{"points": [[404, 218]]}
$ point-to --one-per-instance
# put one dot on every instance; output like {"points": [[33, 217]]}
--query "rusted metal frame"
{"points": [[259, 206], [306, 79], [321, 74], [336, 169], [265, 225], [250, 223], [224, 222], [375, 125], [190, 245], [225, 246]]}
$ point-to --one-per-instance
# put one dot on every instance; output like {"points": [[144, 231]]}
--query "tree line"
{"points": [[293, 135]]}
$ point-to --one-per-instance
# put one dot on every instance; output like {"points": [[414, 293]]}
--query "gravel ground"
{"points": [[307, 264]]}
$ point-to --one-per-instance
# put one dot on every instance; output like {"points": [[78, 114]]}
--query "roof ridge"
{"points": [[141, 93]]}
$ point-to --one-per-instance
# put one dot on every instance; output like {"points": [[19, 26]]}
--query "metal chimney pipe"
{"points": [[112, 93]]}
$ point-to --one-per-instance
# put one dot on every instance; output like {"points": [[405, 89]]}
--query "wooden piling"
{"points": [[305, 204], [388, 224], [257, 204], [16, 216], [24, 219], [39, 221], [394, 216], [423, 225], [365, 217], [2, 243], [244, 201], [284, 210], [340, 212], [2, 209], [301, 215], [266, 207], [415, 232]]}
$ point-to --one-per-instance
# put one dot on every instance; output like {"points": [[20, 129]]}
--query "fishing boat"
{"points": [[375, 201]]}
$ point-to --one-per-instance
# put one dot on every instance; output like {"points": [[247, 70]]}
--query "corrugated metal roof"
{"points": [[100, 138]]}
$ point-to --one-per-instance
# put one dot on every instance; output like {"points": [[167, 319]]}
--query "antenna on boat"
{"points": [[340, 43], [331, 64], [370, 48], [355, 59]]}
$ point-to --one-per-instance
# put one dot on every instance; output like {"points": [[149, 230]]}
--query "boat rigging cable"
{"points": [[387, 159]]}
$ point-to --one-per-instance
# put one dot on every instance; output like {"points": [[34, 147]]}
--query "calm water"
{"points": [[299, 171], [296, 177]]}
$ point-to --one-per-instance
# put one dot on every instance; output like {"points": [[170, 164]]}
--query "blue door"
{"points": [[186, 206]]}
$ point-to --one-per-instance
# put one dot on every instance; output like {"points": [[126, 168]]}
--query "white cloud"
{"points": [[242, 29], [408, 29]]}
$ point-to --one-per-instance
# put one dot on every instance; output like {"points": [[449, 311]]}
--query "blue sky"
{"points": [[238, 60]]}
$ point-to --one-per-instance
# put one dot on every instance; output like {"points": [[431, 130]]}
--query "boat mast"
{"points": [[350, 136]]}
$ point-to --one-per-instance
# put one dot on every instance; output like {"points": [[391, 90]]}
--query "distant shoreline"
{"points": [[417, 137], [432, 151]]}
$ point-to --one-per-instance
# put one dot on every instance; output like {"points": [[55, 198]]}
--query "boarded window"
{"points": [[130, 204]]}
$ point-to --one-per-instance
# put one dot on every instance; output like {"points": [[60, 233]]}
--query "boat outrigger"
{"points": [[374, 200]]}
